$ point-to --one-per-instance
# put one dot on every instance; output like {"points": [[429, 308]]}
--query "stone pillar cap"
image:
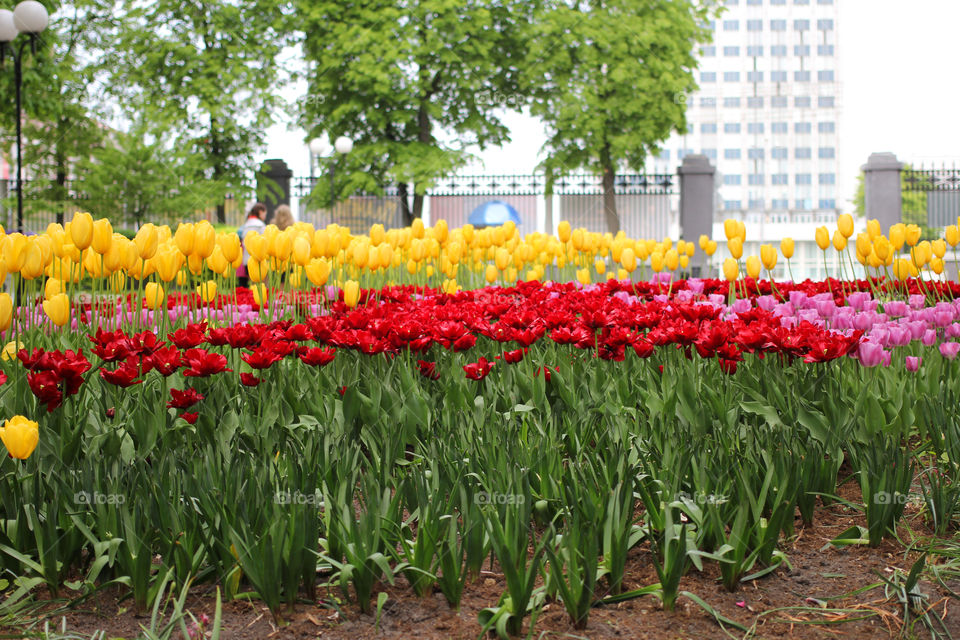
{"points": [[882, 161], [696, 163]]}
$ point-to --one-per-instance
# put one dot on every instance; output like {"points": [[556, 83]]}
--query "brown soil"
{"points": [[779, 605]]}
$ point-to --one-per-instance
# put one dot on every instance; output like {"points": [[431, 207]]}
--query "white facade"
{"points": [[767, 115]]}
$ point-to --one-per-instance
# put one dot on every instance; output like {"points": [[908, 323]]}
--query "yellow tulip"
{"points": [[490, 273], [33, 262], [52, 287], [845, 225], [207, 291], [13, 249], [939, 247], [102, 236], [730, 228], [902, 269], [768, 256], [684, 261], [711, 248], [20, 436], [564, 231], [735, 245], [450, 287], [302, 251], [690, 250], [218, 263], [583, 276], [167, 264], [147, 240], [259, 292], [81, 230], [702, 241], [937, 265], [898, 235], [440, 231], [839, 240], [351, 291], [155, 295], [912, 236], [730, 269], [864, 244], [754, 266], [600, 266], [882, 248], [195, 263], [257, 270], [416, 228], [628, 259], [11, 348], [6, 312], [873, 229], [230, 245], [57, 309], [113, 259], [952, 235], [184, 238], [117, 281], [656, 261], [823, 238], [671, 260]]}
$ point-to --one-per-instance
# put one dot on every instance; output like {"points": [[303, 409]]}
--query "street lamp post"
{"points": [[29, 17]]}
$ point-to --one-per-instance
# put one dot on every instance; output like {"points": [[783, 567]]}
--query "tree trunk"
{"points": [[404, 196], [609, 196], [425, 136], [215, 153], [61, 170]]}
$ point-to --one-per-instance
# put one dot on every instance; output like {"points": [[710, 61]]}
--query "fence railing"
{"points": [[942, 189]]}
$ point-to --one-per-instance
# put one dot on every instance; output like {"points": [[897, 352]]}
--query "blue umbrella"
{"points": [[493, 214]]}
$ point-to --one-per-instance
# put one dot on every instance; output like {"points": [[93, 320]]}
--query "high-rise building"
{"points": [[767, 116]]}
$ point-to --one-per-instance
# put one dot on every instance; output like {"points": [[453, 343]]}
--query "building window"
{"points": [[824, 49], [824, 1], [755, 153], [803, 153], [755, 179], [801, 50], [801, 1], [825, 24], [708, 76], [732, 3], [754, 25], [731, 52], [731, 154], [682, 153], [754, 2], [731, 76], [664, 154], [731, 127], [708, 102], [826, 127], [780, 203], [710, 153], [828, 178], [755, 50], [731, 205], [708, 52], [801, 25], [731, 101], [778, 76], [731, 25], [803, 178], [754, 127], [778, 179], [801, 101], [754, 76], [802, 127], [756, 204], [708, 127], [778, 153], [778, 2], [827, 153], [801, 76], [778, 102], [778, 50], [731, 180], [828, 203], [778, 127], [825, 76], [755, 102], [804, 204], [825, 101], [778, 25]]}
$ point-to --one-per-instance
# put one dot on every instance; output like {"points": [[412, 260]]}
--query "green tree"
{"points": [[914, 207], [207, 77], [62, 105], [413, 82], [610, 78]]}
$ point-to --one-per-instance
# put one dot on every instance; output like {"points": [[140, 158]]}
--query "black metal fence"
{"points": [[358, 212], [942, 189]]}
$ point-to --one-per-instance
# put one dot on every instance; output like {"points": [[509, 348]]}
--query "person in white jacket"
{"points": [[255, 222]]}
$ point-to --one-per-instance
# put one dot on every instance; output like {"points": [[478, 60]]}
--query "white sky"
{"points": [[900, 93]]}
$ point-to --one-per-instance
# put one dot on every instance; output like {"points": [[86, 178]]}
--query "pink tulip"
{"points": [[949, 350], [871, 354], [913, 362]]}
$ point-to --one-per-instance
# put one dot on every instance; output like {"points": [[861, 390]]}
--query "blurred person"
{"points": [[283, 217], [255, 222]]}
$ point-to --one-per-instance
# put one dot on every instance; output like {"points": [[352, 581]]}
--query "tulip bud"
{"points": [[863, 244], [564, 231], [823, 238], [711, 248], [33, 262], [730, 228], [937, 265], [898, 235], [52, 287], [730, 269], [146, 240], [184, 238], [939, 247], [768, 256], [440, 231], [671, 260], [102, 236], [628, 259], [901, 269], [600, 266], [260, 297], [218, 263], [656, 262], [318, 271], [735, 245], [20, 436], [490, 273], [377, 234], [873, 229], [351, 292], [912, 236], [229, 243], [583, 276], [6, 311], [256, 270], [195, 263], [952, 235], [839, 240], [754, 267], [81, 230], [57, 309], [155, 296], [845, 225], [302, 250], [207, 291]]}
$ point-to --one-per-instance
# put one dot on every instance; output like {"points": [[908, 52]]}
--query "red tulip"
{"points": [[184, 399], [478, 370], [316, 357], [203, 364]]}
